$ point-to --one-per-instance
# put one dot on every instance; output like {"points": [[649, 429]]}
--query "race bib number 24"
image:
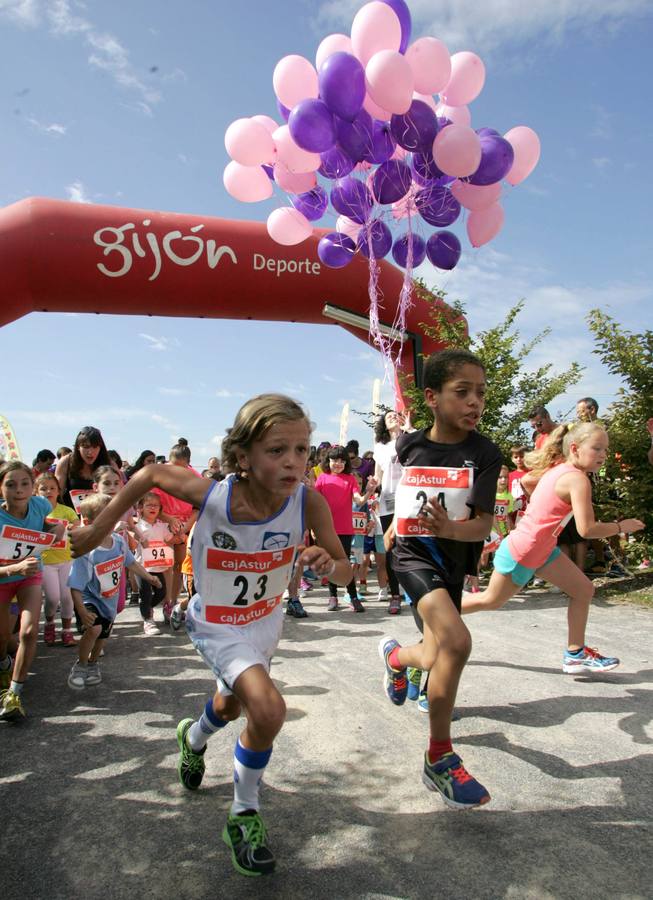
{"points": [[452, 489]]}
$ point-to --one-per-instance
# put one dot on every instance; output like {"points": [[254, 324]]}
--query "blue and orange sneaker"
{"points": [[452, 781], [395, 682], [587, 659]]}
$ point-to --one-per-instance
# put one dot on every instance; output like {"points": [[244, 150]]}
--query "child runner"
{"points": [[247, 538], [56, 565], [387, 473], [504, 504], [340, 490], [562, 465], [178, 611], [95, 585], [108, 481], [155, 554], [444, 511], [24, 534]]}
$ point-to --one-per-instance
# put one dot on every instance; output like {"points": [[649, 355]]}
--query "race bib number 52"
{"points": [[17, 544], [452, 489], [239, 588]]}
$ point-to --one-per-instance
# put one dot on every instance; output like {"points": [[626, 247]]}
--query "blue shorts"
{"points": [[506, 565], [374, 543]]}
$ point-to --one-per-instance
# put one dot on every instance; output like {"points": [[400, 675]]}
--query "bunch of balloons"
{"points": [[379, 131]]}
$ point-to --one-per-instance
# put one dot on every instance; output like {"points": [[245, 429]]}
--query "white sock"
{"points": [[249, 766], [16, 687], [200, 731]]}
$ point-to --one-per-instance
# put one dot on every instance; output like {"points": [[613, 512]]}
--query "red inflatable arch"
{"points": [[59, 256]]}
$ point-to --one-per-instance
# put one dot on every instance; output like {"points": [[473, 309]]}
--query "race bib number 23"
{"points": [[239, 588]]}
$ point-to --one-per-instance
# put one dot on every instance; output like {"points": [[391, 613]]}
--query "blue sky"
{"points": [[127, 104]]}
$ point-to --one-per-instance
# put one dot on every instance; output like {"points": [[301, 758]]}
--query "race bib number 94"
{"points": [[17, 544], [157, 556], [452, 489], [239, 588]]}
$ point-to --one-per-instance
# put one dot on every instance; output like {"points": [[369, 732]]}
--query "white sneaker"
{"points": [[383, 595], [362, 589], [150, 627], [93, 674], [78, 676]]}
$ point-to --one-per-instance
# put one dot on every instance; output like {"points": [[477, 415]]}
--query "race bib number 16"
{"points": [[239, 587], [452, 489]]}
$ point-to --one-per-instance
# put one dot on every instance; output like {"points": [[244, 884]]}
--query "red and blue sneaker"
{"points": [[395, 681], [452, 781]]}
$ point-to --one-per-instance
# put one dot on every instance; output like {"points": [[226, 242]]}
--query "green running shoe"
{"points": [[11, 708], [414, 682], [190, 767], [246, 835]]}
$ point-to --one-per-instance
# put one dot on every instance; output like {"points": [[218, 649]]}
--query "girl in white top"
{"points": [[155, 554], [388, 473], [246, 542]]}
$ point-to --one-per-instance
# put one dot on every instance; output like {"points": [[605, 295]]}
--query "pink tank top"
{"points": [[532, 541]]}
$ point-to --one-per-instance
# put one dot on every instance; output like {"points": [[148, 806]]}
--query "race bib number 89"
{"points": [[239, 588], [452, 489], [17, 544]]}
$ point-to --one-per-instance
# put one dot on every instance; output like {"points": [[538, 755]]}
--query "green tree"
{"points": [[627, 488], [512, 390]]}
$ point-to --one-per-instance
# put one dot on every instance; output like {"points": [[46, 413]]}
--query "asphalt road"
{"points": [[92, 808]]}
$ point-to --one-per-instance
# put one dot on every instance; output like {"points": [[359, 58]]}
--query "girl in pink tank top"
{"points": [[563, 489]]}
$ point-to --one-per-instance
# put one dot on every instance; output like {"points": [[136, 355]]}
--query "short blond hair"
{"points": [[252, 421], [91, 506]]}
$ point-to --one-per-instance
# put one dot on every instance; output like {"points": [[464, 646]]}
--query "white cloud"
{"points": [[106, 51], [224, 393], [468, 24], [77, 192], [171, 392], [330, 379], [601, 162], [155, 343], [55, 128]]}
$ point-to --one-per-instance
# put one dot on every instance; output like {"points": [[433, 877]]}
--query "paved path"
{"points": [[92, 807]]}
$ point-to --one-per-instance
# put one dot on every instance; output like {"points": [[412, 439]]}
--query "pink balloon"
{"points": [[266, 122], [292, 182], [375, 110], [249, 142], [467, 79], [346, 226], [400, 153], [406, 205], [526, 144], [459, 115], [475, 197], [248, 184], [332, 43], [485, 224], [457, 150], [428, 99], [375, 27], [294, 79], [389, 81], [431, 64], [288, 226], [293, 157]]}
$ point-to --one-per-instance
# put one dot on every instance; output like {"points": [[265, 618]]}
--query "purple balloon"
{"points": [[283, 110], [336, 250], [335, 163], [443, 249], [403, 14], [352, 198], [382, 145], [416, 129], [437, 206], [312, 126], [355, 137], [497, 157], [400, 250], [391, 181], [269, 171], [483, 132], [443, 122], [342, 85], [311, 204], [424, 168], [381, 239]]}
